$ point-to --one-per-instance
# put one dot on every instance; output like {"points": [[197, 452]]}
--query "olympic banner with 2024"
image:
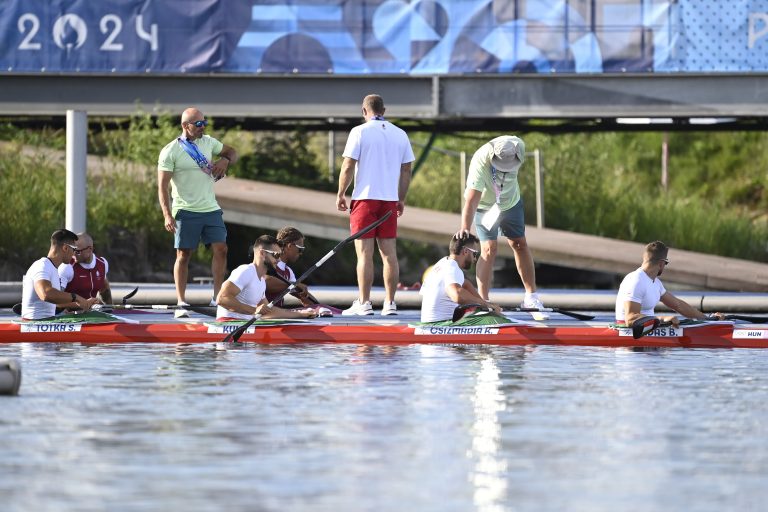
{"points": [[383, 36]]}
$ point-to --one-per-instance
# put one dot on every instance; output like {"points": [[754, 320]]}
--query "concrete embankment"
{"points": [[589, 300]]}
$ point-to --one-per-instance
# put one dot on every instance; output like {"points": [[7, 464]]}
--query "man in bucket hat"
{"points": [[493, 202]]}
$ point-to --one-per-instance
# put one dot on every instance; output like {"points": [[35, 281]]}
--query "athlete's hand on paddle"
{"points": [[85, 304], [302, 293], [307, 312], [495, 308], [672, 320], [170, 223]]}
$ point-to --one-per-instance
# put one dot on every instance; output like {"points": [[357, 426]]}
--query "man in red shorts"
{"points": [[379, 156]]}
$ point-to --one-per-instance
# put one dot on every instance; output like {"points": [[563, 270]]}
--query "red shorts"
{"points": [[367, 211]]}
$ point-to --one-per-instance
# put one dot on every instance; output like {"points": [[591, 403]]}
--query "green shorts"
{"points": [[194, 227], [511, 223]]}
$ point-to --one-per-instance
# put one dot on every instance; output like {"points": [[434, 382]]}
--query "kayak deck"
{"points": [[401, 329]]}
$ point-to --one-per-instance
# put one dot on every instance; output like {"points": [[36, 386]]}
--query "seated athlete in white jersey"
{"points": [[41, 288], [641, 290], [445, 286], [243, 294]]}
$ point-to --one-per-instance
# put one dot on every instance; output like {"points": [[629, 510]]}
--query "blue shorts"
{"points": [[511, 223], [193, 228]]}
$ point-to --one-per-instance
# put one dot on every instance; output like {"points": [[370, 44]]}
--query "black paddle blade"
{"points": [[235, 335], [130, 295], [577, 316], [17, 309], [463, 310], [643, 326]]}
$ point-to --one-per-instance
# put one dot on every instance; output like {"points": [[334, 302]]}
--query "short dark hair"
{"points": [[63, 236], [374, 103], [260, 243], [288, 235], [656, 251], [458, 244]]}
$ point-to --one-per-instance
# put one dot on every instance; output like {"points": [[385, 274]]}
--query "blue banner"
{"points": [[360, 37]]}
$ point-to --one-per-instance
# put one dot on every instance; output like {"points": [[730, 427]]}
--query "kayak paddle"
{"points": [[235, 335]]}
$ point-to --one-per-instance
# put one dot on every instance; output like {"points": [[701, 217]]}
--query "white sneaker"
{"points": [[389, 308], [180, 312], [532, 301], [359, 309]]}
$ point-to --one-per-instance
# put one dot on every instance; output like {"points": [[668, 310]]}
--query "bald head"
{"points": [[85, 239], [191, 114], [84, 245]]}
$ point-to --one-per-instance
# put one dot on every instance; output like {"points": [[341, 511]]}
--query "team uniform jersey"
{"points": [[482, 178], [32, 308], [191, 188], [252, 290], [638, 287], [84, 279], [380, 148], [436, 305], [286, 273]]}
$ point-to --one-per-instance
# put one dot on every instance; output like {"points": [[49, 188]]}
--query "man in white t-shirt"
{"points": [[379, 156], [243, 294], [445, 286], [41, 289], [641, 290]]}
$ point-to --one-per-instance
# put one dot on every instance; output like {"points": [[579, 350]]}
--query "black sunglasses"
{"points": [[475, 253], [80, 251]]}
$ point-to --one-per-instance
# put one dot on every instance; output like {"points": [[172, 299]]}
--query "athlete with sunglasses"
{"points": [[243, 294], [86, 274]]}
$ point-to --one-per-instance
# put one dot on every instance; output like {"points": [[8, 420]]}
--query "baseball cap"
{"points": [[508, 153]]}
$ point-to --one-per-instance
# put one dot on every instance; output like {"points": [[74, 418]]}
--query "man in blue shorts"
{"points": [[493, 202], [186, 164]]}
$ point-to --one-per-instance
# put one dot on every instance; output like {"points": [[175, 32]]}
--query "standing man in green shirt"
{"points": [[187, 165], [493, 202]]}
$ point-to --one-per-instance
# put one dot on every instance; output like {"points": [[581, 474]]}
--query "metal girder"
{"points": [[446, 100]]}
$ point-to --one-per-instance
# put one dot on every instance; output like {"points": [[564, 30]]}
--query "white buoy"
{"points": [[10, 376]]}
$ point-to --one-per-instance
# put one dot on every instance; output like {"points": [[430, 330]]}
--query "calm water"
{"points": [[412, 428]]}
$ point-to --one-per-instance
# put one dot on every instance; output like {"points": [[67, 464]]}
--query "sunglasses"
{"points": [[73, 247], [666, 261], [79, 251], [299, 247], [274, 254], [199, 124], [475, 253]]}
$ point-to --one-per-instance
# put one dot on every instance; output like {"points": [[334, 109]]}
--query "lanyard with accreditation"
{"points": [[194, 152]]}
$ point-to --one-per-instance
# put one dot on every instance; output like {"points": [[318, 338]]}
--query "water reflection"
{"points": [[367, 428], [490, 466]]}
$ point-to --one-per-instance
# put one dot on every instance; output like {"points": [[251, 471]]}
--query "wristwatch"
{"points": [[74, 297]]}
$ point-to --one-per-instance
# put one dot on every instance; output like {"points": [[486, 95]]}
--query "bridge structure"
{"points": [[445, 103]]}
